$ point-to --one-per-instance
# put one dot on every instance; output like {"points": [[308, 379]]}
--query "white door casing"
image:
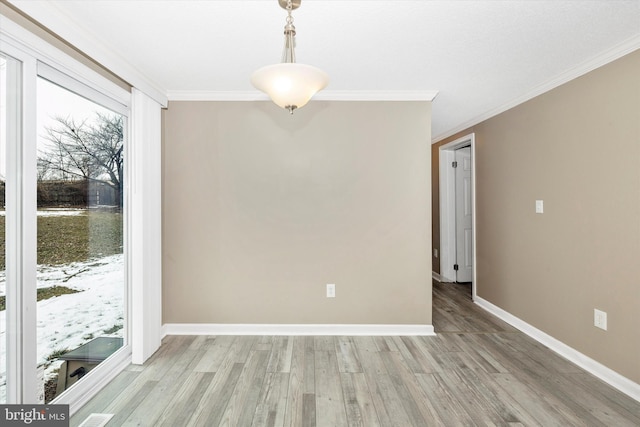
{"points": [[447, 251], [464, 218]]}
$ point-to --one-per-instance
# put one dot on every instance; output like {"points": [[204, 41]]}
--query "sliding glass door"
{"points": [[81, 269], [63, 210]]}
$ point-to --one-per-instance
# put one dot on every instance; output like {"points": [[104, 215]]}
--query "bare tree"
{"points": [[92, 151]]}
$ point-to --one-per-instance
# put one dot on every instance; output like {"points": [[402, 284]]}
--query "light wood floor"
{"points": [[477, 371]]}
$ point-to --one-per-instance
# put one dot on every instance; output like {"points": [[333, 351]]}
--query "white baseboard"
{"points": [[94, 381], [440, 278], [611, 377], [292, 329]]}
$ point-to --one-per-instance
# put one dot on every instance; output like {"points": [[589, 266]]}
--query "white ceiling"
{"points": [[481, 56]]}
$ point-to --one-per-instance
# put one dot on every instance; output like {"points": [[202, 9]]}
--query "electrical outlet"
{"points": [[599, 319], [539, 206], [331, 290], [435, 253]]}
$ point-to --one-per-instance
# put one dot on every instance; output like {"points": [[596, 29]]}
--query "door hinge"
{"points": [[454, 164], [455, 267]]}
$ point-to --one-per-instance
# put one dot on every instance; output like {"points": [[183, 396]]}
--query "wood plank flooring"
{"points": [[478, 370]]}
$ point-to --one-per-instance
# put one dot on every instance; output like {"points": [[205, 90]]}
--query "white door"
{"points": [[464, 219]]}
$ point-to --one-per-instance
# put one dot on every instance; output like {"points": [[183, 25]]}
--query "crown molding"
{"points": [[213, 95], [377, 95], [598, 61], [387, 95]]}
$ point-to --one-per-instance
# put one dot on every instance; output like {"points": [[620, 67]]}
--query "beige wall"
{"points": [[263, 209], [576, 147]]}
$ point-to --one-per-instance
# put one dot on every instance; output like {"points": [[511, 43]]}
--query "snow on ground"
{"points": [[56, 212], [68, 321]]}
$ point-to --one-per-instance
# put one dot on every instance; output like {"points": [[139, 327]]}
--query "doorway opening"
{"points": [[458, 211]]}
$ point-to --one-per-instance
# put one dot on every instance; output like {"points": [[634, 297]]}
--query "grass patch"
{"points": [[56, 354], [113, 329], [44, 293], [54, 291], [66, 239]]}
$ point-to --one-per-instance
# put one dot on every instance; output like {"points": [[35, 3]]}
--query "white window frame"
{"points": [[21, 230]]}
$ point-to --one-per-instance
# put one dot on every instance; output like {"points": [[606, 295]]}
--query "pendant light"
{"points": [[289, 85]]}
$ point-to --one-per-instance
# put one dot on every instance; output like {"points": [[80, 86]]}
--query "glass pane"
{"points": [[3, 174], [81, 278]]}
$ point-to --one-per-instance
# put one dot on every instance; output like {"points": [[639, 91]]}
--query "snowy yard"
{"points": [[68, 321]]}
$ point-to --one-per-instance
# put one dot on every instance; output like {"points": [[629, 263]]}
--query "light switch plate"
{"points": [[539, 206]]}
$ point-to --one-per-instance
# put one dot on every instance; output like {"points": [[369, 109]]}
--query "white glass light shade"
{"points": [[289, 85]]}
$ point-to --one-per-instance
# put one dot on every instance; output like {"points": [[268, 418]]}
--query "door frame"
{"points": [[448, 207]]}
